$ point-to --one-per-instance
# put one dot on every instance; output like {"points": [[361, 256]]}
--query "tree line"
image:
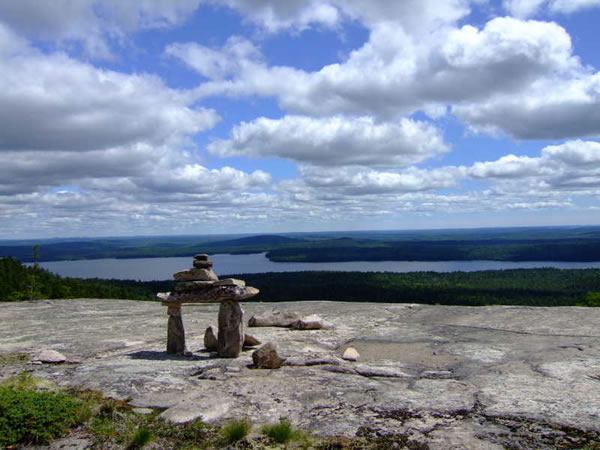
{"points": [[19, 282], [531, 287], [497, 250]]}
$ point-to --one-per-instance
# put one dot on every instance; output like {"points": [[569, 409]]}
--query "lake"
{"points": [[148, 269]]}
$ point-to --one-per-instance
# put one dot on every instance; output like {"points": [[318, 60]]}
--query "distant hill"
{"points": [[252, 241], [498, 244]]}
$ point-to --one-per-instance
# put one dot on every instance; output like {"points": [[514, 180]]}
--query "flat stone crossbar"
{"points": [[214, 294]]}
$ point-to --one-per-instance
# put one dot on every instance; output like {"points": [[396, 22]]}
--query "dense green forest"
{"points": [[500, 244], [534, 287], [19, 282], [525, 250]]}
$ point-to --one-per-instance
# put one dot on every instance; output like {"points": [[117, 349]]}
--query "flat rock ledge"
{"points": [[213, 294], [448, 377]]}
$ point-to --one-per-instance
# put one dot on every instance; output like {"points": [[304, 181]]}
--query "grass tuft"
{"points": [[141, 437], [281, 432], [236, 430]]}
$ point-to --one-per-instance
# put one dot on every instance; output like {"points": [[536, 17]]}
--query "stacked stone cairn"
{"points": [[201, 285]]}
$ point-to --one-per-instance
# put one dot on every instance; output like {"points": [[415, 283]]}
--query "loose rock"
{"points": [[250, 341], [310, 323], [201, 257], [210, 339], [381, 371], [351, 354], [48, 356], [266, 357], [275, 319]]}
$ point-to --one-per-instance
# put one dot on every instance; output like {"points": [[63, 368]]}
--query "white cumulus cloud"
{"points": [[554, 108], [93, 23], [570, 167], [416, 16], [529, 8], [395, 73], [65, 104], [334, 141]]}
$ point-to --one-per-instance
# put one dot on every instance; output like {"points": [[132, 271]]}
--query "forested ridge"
{"points": [[518, 244], [20, 282], [571, 250], [533, 287]]}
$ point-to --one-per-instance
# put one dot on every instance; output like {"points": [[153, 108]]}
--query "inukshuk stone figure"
{"points": [[201, 285]]}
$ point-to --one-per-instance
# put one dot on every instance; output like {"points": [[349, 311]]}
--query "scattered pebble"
{"points": [[351, 354]]}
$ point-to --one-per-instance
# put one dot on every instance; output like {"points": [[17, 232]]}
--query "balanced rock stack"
{"points": [[201, 285]]}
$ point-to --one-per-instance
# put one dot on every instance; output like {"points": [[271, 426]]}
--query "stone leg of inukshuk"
{"points": [[230, 338], [201, 285], [175, 331]]}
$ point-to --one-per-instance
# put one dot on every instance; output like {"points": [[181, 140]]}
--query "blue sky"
{"points": [[225, 116]]}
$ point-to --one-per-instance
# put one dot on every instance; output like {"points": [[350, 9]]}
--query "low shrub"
{"points": [[37, 417]]}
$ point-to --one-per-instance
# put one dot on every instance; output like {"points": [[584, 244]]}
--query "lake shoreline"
{"points": [[151, 269]]}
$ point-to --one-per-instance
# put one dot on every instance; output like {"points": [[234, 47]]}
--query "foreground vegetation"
{"points": [[33, 411], [531, 287]]}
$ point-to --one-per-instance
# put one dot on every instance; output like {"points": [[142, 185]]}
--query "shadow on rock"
{"points": [[155, 355]]}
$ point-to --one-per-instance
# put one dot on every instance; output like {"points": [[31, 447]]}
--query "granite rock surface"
{"points": [[448, 376]]}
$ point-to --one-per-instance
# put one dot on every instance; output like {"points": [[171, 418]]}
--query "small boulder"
{"points": [[250, 341], [48, 356], [381, 371], [210, 339], [310, 323], [351, 354], [201, 257], [275, 319], [266, 357]]}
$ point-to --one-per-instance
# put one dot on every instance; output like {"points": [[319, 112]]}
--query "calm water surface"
{"points": [[148, 269]]}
